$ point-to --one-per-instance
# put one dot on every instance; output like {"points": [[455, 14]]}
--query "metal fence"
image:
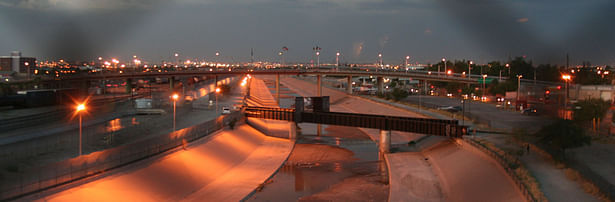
{"points": [[45, 177]]}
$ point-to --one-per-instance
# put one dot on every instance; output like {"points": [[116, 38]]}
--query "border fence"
{"points": [[56, 174]]}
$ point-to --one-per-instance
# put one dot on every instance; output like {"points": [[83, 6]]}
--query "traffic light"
{"points": [[547, 94]]}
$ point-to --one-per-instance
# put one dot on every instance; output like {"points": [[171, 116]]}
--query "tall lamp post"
{"points": [[407, 58], [566, 78], [470, 69], [175, 97], [380, 64], [176, 59], [508, 67], [217, 58], [27, 64], [518, 88], [443, 61], [79, 109], [318, 59], [484, 85], [337, 60], [217, 91]]}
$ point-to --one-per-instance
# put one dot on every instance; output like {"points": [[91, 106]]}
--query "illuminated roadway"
{"points": [[415, 75]]}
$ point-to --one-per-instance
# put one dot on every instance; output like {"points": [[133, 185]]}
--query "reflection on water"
{"points": [[297, 180]]}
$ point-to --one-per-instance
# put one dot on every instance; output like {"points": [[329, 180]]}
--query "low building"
{"points": [[584, 92], [16, 63]]}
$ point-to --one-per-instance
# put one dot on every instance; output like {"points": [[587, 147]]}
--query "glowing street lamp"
{"points": [[318, 59], [470, 69], [216, 94], [508, 67], [566, 78], [443, 61], [337, 59], [380, 62], [175, 97], [407, 58], [518, 86], [79, 109], [27, 64], [484, 83]]}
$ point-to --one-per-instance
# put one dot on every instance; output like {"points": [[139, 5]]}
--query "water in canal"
{"points": [[342, 164]]}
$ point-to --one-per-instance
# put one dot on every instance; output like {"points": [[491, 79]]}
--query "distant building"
{"points": [[17, 63], [583, 92]]}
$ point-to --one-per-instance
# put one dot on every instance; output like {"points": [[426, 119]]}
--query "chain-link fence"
{"points": [[44, 177]]}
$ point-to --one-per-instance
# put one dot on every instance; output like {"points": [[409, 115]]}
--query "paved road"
{"points": [[487, 113]]}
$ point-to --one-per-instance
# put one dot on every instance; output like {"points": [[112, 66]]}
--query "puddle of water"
{"points": [[296, 180]]}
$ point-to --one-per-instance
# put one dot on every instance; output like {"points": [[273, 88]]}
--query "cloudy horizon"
{"points": [[480, 30]]}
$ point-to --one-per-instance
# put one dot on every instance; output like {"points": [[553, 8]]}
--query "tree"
{"points": [[562, 135], [399, 94], [590, 110]]}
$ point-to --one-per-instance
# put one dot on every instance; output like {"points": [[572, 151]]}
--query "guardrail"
{"points": [[33, 180]]}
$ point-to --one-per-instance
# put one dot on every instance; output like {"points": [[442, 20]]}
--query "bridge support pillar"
{"points": [[380, 84], [319, 85], [172, 83], [384, 148], [385, 142], [129, 86], [277, 88], [349, 85], [292, 132]]}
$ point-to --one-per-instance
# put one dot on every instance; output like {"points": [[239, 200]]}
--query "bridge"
{"points": [[438, 127]]}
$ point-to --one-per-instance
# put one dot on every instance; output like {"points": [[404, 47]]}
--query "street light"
{"points": [[174, 97], [484, 84], [318, 59], [518, 88], [27, 68], [337, 59], [79, 109], [470, 69], [176, 58], [407, 58], [508, 66], [566, 78], [443, 61], [216, 94], [380, 63]]}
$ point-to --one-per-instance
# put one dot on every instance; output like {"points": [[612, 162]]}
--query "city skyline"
{"points": [[426, 31]]}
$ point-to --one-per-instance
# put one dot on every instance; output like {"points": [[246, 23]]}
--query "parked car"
{"points": [[530, 111], [226, 110], [450, 108]]}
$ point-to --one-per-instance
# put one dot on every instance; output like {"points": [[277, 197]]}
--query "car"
{"points": [[450, 108], [226, 110], [530, 111]]}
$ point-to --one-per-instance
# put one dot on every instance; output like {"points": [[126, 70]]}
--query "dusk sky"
{"points": [[426, 30]]}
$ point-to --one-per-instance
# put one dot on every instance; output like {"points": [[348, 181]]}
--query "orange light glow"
{"points": [[217, 90], [566, 77], [80, 107], [175, 96]]}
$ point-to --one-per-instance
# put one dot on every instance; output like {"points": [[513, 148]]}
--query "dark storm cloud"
{"points": [[427, 30]]}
